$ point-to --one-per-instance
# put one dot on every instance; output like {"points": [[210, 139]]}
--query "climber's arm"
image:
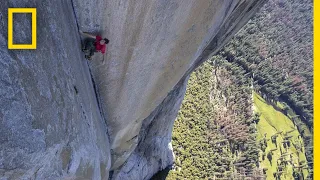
{"points": [[87, 34]]}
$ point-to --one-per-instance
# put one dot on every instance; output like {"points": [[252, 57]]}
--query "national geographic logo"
{"points": [[33, 44]]}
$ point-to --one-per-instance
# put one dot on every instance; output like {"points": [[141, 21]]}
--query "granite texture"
{"points": [[50, 123], [58, 112]]}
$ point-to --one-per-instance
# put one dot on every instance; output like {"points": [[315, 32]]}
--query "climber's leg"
{"points": [[89, 45]]}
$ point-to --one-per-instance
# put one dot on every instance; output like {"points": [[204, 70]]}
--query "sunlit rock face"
{"points": [[52, 124], [153, 45]]}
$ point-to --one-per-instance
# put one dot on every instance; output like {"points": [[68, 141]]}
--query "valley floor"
{"points": [[275, 125]]}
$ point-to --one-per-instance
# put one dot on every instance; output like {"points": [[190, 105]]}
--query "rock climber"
{"points": [[94, 44]]}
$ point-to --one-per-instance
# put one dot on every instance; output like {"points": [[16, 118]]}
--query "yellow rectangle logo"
{"points": [[33, 44]]}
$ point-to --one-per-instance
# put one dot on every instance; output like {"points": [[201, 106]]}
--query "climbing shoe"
{"points": [[88, 57]]}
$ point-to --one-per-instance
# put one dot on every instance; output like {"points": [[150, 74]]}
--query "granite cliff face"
{"points": [[50, 123], [58, 115]]}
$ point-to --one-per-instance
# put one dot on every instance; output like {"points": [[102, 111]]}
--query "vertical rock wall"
{"points": [[153, 45], [50, 124], [154, 151]]}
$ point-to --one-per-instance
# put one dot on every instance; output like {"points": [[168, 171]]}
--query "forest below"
{"points": [[248, 111]]}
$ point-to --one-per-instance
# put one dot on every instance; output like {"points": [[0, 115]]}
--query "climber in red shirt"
{"points": [[94, 44]]}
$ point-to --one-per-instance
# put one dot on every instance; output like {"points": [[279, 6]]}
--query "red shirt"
{"points": [[99, 47]]}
